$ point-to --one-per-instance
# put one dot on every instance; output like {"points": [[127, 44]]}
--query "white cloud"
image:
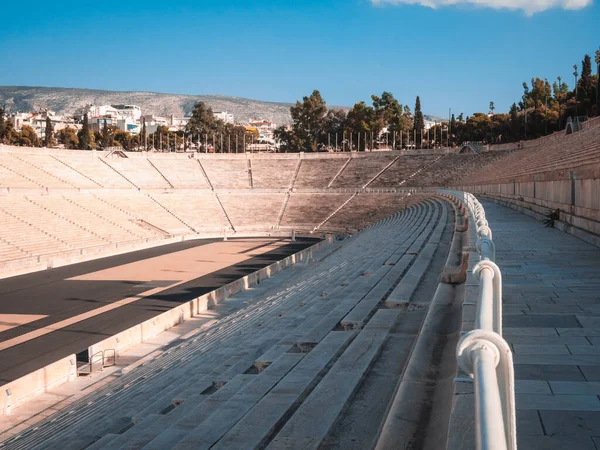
{"points": [[529, 6]]}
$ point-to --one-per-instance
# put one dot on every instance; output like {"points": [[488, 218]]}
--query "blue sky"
{"points": [[460, 56]]}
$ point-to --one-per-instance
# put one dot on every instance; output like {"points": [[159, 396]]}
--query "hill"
{"points": [[68, 100]]}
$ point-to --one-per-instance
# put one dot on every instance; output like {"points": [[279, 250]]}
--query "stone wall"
{"points": [[576, 193]]}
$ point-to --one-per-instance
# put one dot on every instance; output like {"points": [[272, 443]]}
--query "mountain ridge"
{"points": [[67, 101]]}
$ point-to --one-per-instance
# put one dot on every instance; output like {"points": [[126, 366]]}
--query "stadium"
{"points": [[397, 299]]}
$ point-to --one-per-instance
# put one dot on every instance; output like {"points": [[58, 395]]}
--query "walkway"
{"points": [[552, 321]]}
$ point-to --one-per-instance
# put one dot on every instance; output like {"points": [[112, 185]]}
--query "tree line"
{"points": [[543, 108], [315, 127]]}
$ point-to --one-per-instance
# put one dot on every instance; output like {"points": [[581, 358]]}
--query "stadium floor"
{"points": [[48, 315]]}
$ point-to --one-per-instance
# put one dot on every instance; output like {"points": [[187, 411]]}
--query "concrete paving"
{"points": [[551, 319]]}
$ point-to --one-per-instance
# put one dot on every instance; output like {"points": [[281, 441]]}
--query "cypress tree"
{"points": [[48, 132], [143, 134], [106, 137], [3, 125], [514, 121], [419, 122], [586, 93], [85, 140], [597, 59]]}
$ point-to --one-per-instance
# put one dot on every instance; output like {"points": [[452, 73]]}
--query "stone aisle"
{"points": [[552, 321]]}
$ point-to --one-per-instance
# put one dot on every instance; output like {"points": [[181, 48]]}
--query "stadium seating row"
{"points": [[259, 377], [561, 153], [37, 224], [35, 169], [25, 170], [59, 201]]}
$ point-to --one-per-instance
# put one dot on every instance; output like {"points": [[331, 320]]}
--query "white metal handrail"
{"points": [[483, 353]]}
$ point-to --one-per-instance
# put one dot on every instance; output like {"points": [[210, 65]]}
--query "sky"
{"points": [[458, 54]]}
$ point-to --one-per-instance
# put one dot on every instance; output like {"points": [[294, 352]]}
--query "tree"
{"points": [[126, 140], [203, 121], [6, 128], [86, 139], [68, 137], [107, 139], [360, 121], [391, 114], [335, 122], [309, 121], [287, 139], [48, 132], [492, 108], [453, 124], [515, 124], [419, 122], [162, 139], [26, 137], [143, 141], [597, 59], [560, 91], [586, 92]]}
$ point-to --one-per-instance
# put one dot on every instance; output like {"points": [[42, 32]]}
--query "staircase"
{"points": [[282, 211], [161, 174], [205, 175], [45, 171], [339, 172], [170, 212], [223, 209], [421, 170], [75, 170], [132, 183], [381, 171], [295, 174], [20, 175], [250, 183], [334, 213]]}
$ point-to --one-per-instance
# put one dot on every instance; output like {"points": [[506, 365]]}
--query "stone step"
{"points": [[313, 420], [257, 426], [189, 417], [207, 433], [403, 293]]}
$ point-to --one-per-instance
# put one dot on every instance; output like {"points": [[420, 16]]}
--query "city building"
{"points": [[265, 128], [429, 124], [132, 111], [224, 116]]}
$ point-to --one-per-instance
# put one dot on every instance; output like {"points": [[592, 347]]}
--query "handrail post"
{"points": [[485, 306], [490, 431]]}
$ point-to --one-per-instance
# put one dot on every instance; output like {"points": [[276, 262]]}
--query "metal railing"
{"points": [[100, 356], [483, 353]]}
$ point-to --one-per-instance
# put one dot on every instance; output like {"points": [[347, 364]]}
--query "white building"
{"points": [[19, 119], [101, 111], [132, 111], [429, 124], [97, 123], [266, 129], [178, 122], [128, 124], [224, 116], [37, 121]]}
